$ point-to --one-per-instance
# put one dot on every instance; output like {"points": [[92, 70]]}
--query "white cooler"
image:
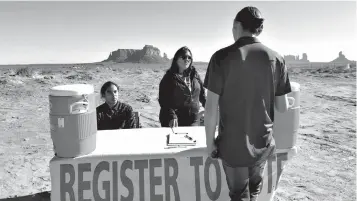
{"points": [[73, 119], [286, 124]]}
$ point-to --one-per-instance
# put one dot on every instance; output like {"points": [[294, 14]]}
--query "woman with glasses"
{"points": [[181, 92]]}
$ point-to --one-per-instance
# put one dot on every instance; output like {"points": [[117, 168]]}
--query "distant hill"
{"points": [[341, 59], [149, 54]]}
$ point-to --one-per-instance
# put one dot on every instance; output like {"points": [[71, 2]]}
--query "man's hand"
{"points": [[212, 150], [173, 123], [211, 118]]}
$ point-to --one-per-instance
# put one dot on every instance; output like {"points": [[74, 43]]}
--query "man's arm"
{"points": [[283, 88], [211, 117], [214, 83]]}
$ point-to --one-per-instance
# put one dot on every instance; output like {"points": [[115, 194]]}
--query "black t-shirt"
{"points": [[121, 116], [247, 75]]}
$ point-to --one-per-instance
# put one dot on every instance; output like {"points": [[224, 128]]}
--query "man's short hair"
{"points": [[251, 19]]}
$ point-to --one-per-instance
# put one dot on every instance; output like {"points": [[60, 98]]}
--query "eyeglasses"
{"points": [[186, 57]]}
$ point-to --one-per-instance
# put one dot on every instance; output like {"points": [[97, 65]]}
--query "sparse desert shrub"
{"points": [[25, 72], [329, 75], [138, 71], [29, 93], [3, 81], [77, 67], [46, 72], [143, 98], [12, 72], [41, 81], [48, 77], [82, 76], [118, 69], [72, 77]]}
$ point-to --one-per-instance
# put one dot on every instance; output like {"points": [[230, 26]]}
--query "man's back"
{"points": [[247, 75]]}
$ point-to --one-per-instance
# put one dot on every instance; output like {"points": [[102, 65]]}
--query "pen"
{"points": [[172, 130]]}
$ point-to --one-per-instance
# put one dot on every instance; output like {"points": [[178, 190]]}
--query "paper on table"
{"points": [[180, 139]]}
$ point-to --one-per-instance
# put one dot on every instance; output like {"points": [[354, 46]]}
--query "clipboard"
{"points": [[180, 139]]}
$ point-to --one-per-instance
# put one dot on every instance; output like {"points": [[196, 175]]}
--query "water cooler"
{"points": [[73, 119], [286, 124]]}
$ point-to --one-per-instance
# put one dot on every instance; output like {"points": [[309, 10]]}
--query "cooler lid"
{"points": [[72, 90], [294, 86]]}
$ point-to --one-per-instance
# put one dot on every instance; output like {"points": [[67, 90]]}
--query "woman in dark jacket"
{"points": [[180, 92]]}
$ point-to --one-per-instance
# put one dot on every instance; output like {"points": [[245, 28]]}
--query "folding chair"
{"points": [[137, 120]]}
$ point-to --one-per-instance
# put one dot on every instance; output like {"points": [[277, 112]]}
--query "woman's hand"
{"points": [[201, 113], [173, 123], [201, 116]]}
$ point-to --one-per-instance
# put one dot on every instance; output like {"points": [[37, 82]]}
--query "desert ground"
{"points": [[323, 170]]}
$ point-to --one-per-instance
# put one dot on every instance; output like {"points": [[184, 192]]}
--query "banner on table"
{"points": [[195, 178]]}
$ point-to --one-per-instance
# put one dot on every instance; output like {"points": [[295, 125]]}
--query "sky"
{"points": [[83, 32]]}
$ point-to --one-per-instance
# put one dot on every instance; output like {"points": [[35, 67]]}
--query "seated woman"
{"points": [[180, 92], [113, 114]]}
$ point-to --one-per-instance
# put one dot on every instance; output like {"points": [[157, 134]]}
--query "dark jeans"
{"points": [[244, 183]]}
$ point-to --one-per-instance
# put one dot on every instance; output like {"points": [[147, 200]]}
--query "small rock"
{"points": [[48, 77], [44, 178]]}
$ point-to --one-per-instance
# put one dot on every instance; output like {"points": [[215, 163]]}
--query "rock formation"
{"points": [[304, 58], [296, 58], [341, 59], [290, 58], [149, 54]]}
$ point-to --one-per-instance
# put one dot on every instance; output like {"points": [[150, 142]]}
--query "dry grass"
{"points": [[25, 72]]}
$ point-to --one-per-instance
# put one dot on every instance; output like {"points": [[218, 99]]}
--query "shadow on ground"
{"points": [[44, 196]]}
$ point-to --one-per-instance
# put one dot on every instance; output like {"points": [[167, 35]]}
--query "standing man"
{"points": [[246, 80]]}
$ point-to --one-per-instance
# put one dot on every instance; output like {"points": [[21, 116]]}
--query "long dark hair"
{"points": [[106, 86], [251, 19], [180, 52]]}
